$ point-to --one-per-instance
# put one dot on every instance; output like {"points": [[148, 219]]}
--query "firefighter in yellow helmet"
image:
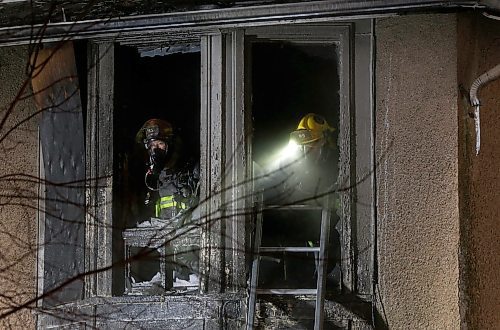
{"points": [[302, 179], [311, 128], [306, 167], [312, 168], [172, 181], [316, 139], [314, 133]]}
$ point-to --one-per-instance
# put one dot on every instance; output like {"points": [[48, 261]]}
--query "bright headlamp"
{"points": [[303, 136], [291, 150]]}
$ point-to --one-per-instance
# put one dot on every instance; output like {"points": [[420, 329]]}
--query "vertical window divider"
{"points": [[99, 171], [237, 140], [212, 164]]}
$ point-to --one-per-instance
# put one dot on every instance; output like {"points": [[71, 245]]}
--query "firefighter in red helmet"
{"points": [[172, 181], [171, 175]]}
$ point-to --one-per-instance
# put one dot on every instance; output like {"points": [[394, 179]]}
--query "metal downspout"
{"points": [[492, 4], [483, 79]]}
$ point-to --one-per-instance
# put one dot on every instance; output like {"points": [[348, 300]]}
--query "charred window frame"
{"points": [[225, 154], [353, 43], [291, 43], [105, 225], [99, 170]]}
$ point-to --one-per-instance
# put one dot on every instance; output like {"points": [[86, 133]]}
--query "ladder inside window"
{"points": [[320, 253]]}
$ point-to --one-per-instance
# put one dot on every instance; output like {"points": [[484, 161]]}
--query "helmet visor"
{"points": [[303, 136]]}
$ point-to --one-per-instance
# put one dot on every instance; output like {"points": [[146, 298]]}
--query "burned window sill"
{"points": [[166, 311]]}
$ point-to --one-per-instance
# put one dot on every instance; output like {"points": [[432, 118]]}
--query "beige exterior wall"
{"points": [[18, 224], [479, 51], [417, 173]]}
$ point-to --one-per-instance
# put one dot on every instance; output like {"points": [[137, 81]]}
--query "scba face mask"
{"points": [[157, 159]]}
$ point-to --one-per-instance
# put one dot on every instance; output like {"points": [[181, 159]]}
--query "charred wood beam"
{"points": [[118, 27]]}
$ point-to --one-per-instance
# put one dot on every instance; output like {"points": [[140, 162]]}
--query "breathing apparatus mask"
{"points": [[312, 150], [157, 150], [157, 159], [155, 135]]}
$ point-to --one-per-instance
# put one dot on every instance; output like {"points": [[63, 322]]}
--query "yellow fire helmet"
{"points": [[312, 127], [154, 129]]}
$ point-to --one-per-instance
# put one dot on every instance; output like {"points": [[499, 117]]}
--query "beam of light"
{"points": [[286, 155], [291, 151]]}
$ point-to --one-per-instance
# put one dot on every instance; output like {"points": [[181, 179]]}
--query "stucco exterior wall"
{"points": [[417, 171], [18, 201], [479, 51]]}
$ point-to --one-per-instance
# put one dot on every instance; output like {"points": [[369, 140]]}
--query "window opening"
{"points": [[145, 272], [290, 81], [165, 86]]}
